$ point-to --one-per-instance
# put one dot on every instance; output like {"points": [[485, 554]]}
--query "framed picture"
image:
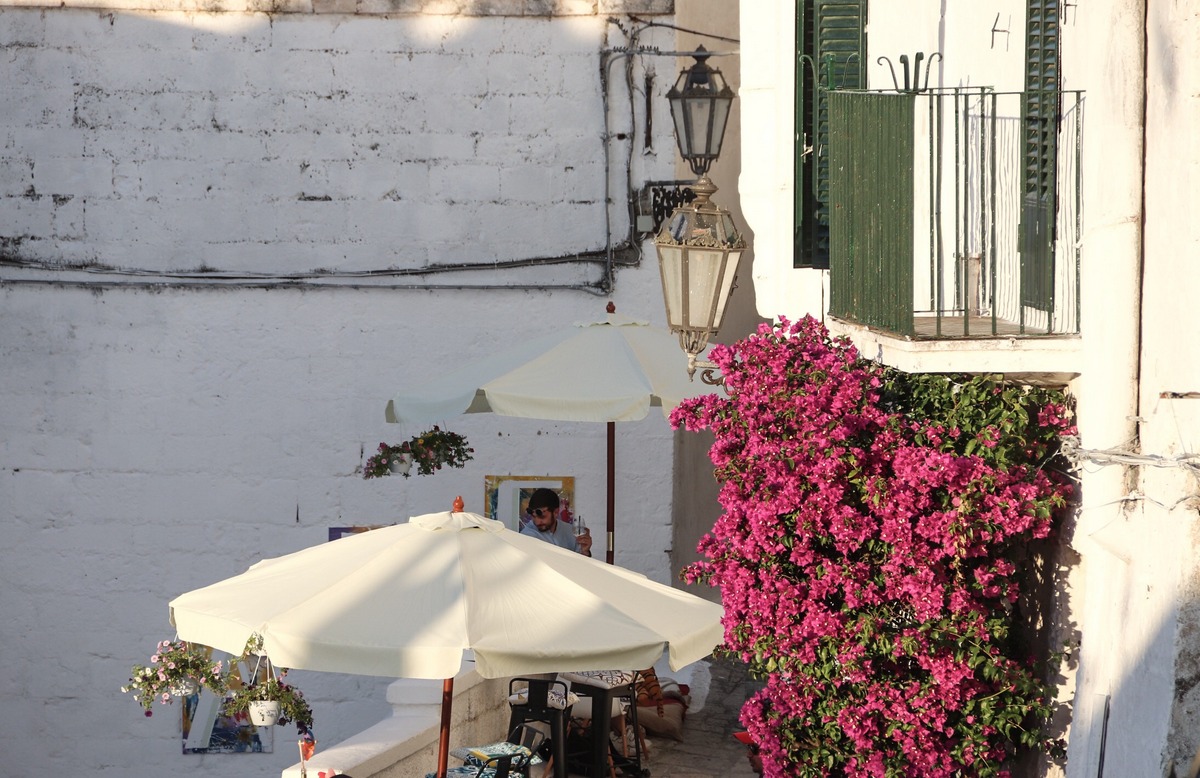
{"points": [[341, 532], [206, 730], [506, 497]]}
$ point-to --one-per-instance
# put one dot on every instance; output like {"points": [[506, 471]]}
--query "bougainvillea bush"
{"points": [[865, 555]]}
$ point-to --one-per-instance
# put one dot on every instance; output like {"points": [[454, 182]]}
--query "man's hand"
{"points": [[584, 542]]}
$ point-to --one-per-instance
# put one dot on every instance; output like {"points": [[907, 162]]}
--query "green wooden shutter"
{"points": [[840, 47], [1039, 128], [831, 33], [802, 200]]}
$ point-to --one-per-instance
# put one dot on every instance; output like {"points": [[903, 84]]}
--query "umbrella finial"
{"points": [[458, 504]]}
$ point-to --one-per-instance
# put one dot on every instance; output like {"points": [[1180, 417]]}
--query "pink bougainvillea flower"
{"points": [[862, 550]]}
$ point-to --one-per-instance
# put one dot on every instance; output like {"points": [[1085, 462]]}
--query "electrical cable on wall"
{"points": [[625, 253], [1112, 456]]}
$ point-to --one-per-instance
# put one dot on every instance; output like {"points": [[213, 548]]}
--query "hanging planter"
{"points": [[264, 713], [176, 669], [430, 451], [186, 687], [269, 701], [400, 464]]}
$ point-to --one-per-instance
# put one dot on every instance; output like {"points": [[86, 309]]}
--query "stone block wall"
{"points": [[335, 145], [160, 431]]}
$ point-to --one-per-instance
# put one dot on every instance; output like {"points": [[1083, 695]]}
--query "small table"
{"points": [[602, 687]]}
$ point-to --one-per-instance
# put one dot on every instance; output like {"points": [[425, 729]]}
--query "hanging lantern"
{"points": [[698, 253], [700, 102]]}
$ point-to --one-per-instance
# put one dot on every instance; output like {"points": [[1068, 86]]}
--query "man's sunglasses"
{"points": [[540, 511]]}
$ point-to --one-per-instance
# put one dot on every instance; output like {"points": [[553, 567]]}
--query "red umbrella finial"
{"points": [[458, 504]]}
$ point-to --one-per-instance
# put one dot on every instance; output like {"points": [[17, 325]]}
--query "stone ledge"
{"points": [[406, 743], [483, 8]]}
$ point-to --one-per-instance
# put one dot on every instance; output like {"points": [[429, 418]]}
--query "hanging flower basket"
{"points": [[287, 701], [400, 464], [264, 713], [176, 669], [186, 687], [430, 451]]}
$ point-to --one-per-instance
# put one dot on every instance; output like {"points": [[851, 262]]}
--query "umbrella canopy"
{"points": [[408, 600], [607, 371], [611, 370]]}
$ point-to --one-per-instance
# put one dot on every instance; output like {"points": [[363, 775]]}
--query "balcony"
{"points": [[954, 226]]}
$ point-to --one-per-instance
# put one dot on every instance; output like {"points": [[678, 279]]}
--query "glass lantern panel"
{"points": [[704, 227], [729, 233], [683, 135], [670, 261], [699, 119], [678, 226], [720, 116], [704, 275], [727, 278]]}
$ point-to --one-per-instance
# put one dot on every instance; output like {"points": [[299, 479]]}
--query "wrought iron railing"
{"points": [[945, 221]]}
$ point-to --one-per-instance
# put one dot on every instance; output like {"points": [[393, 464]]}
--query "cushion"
{"points": [[466, 771], [674, 690], [668, 724], [604, 679], [555, 699], [583, 708], [478, 755]]}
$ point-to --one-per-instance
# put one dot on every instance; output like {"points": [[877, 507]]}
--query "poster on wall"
{"points": [[206, 730], [506, 497], [341, 532]]}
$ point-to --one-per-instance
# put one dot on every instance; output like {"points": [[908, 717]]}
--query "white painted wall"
{"points": [[153, 440], [1132, 595]]}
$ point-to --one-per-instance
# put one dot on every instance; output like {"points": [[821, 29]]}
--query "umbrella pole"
{"points": [[612, 477], [444, 737]]}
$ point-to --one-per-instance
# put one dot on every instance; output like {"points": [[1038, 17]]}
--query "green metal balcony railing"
{"points": [[955, 213]]}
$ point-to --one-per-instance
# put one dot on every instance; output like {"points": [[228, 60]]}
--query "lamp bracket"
{"points": [[658, 200], [710, 374]]}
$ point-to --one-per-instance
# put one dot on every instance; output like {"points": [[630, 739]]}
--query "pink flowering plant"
{"points": [[380, 463], [429, 451], [871, 553], [176, 669]]}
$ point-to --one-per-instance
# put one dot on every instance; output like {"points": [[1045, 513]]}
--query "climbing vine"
{"points": [[866, 555]]}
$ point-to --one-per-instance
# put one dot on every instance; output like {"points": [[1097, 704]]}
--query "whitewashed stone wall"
{"points": [[312, 144], [155, 438]]}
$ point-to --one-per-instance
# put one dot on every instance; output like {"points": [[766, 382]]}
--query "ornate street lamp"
{"points": [[700, 102], [699, 246]]}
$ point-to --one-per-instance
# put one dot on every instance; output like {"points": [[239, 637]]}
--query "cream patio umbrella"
{"points": [[408, 600], [607, 371]]}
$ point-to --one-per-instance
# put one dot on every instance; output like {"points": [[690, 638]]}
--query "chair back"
{"points": [[537, 706], [504, 766]]}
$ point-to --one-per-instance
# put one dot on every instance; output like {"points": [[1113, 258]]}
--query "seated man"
{"points": [[543, 507]]}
